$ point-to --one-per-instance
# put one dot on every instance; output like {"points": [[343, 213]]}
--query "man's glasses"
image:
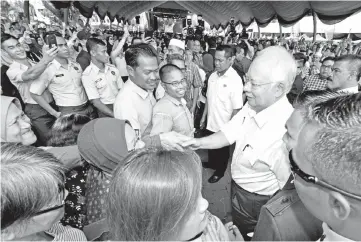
{"points": [[176, 84], [62, 189], [312, 179]]}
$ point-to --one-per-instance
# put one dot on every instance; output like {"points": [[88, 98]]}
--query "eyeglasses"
{"points": [[176, 84], [61, 189], [255, 85], [313, 179]]}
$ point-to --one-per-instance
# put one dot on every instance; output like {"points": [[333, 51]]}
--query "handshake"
{"points": [[179, 142]]}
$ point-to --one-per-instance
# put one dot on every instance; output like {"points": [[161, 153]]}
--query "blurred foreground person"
{"points": [[32, 196], [157, 196], [326, 164]]}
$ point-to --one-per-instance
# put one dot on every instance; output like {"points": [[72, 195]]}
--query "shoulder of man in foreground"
{"points": [[284, 217]]}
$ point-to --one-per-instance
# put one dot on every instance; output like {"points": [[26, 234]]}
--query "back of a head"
{"points": [[153, 194], [275, 64], [229, 51], [314, 96], [66, 128], [135, 51], [336, 148], [300, 57], [30, 181]]}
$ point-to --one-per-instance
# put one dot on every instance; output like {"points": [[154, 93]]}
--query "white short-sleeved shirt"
{"points": [[135, 105], [103, 85], [260, 161], [15, 73], [64, 84], [224, 94]]}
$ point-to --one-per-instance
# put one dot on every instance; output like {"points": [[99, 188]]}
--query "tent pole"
{"points": [[280, 29], [259, 31], [26, 11], [314, 26]]}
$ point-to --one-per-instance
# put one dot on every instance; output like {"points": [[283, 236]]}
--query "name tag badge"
{"points": [[59, 75]]}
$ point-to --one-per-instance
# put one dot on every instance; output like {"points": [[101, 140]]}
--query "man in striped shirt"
{"points": [[319, 81]]}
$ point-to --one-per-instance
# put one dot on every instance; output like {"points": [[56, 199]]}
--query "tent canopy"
{"points": [[219, 12]]}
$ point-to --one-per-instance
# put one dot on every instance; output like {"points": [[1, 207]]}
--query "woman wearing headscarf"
{"points": [[16, 128], [103, 145]]}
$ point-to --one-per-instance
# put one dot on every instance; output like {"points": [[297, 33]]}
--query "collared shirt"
{"points": [[64, 84], [350, 90], [15, 73], [103, 85], [260, 161], [169, 114], [314, 82], [224, 94], [330, 235], [135, 105]]}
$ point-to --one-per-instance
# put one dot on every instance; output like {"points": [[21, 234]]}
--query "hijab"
{"points": [[5, 105], [102, 143]]}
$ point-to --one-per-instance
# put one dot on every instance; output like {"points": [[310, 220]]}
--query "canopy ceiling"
{"points": [[219, 12]]}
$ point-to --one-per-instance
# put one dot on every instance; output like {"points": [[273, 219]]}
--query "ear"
{"points": [[130, 70], [280, 89], [339, 205]]}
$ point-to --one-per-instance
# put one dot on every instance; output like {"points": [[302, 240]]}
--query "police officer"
{"points": [[101, 80], [63, 79]]}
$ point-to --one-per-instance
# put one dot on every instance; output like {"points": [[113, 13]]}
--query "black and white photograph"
{"points": [[180, 120]]}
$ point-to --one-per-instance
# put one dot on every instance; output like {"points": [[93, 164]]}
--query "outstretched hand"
{"points": [[173, 141]]}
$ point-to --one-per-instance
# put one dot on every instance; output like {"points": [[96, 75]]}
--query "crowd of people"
{"points": [[99, 131]]}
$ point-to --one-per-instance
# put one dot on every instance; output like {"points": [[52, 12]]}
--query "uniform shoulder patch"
{"points": [[277, 206]]}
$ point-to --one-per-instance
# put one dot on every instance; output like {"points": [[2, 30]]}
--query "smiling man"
{"points": [[171, 112], [326, 165], [259, 164]]}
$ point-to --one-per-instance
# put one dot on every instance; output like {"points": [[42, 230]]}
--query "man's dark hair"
{"points": [[212, 42], [166, 69], [135, 38], [92, 43], [330, 58], [135, 51], [300, 57], [5, 37], [228, 50]]}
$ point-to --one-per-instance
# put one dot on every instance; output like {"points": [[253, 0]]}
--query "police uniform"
{"points": [[66, 87], [285, 218], [102, 85]]}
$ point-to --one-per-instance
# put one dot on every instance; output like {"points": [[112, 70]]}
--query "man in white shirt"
{"points": [[346, 74], [63, 79], [100, 79], [259, 165], [224, 100], [326, 166], [22, 72], [135, 101]]}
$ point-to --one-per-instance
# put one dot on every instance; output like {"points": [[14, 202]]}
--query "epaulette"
{"points": [[282, 203]]}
